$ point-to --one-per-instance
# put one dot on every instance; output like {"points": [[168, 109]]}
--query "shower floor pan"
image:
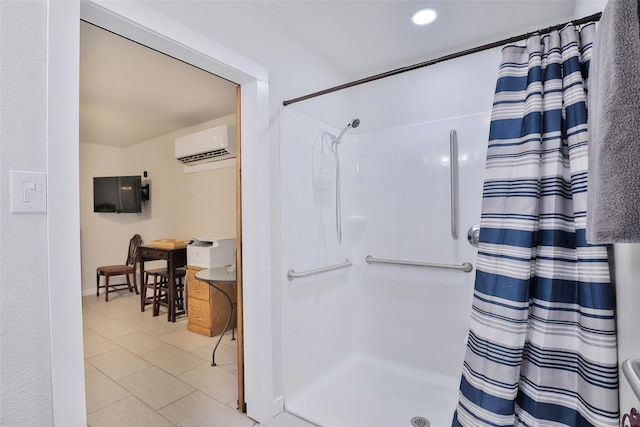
{"points": [[368, 392]]}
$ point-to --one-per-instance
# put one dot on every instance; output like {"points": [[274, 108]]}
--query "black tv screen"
{"points": [[119, 194]]}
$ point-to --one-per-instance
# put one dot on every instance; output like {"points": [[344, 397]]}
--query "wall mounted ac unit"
{"points": [[209, 145]]}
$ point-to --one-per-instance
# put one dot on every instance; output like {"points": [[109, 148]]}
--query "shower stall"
{"points": [[376, 287]]}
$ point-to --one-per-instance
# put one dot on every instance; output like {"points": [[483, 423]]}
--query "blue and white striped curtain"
{"points": [[542, 341]]}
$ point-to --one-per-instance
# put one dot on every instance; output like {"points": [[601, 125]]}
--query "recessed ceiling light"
{"points": [[424, 16]]}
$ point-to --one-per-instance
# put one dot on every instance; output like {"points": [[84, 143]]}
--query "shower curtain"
{"points": [[541, 348]]}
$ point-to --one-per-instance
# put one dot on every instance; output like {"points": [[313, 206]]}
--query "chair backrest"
{"points": [[134, 243]]}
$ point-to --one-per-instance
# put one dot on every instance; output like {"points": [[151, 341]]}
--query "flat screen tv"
{"points": [[119, 194]]}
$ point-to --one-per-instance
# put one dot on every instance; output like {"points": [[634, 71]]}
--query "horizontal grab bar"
{"points": [[291, 274], [631, 370], [465, 266]]}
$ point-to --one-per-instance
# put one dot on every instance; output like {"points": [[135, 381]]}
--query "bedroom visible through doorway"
{"points": [[142, 117]]}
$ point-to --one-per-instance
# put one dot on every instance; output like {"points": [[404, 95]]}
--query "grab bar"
{"points": [[453, 159], [465, 266], [291, 274], [631, 370]]}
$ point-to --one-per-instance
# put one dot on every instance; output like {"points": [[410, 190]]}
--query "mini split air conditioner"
{"points": [[209, 145]]}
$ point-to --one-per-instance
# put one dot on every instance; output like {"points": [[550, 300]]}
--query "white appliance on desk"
{"points": [[211, 253]]}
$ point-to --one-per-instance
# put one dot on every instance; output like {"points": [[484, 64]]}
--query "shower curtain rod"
{"points": [[591, 18]]}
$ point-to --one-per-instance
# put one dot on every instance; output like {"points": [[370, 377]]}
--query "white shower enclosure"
{"points": [[382, 344]]}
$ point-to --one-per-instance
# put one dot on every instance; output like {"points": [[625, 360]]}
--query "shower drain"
{"points": [[420, 422]]}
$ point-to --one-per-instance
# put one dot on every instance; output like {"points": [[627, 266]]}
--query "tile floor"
{"points": [[142, 371]]}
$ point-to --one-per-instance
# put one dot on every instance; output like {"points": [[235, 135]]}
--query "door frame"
{"points": [[141, 24]]}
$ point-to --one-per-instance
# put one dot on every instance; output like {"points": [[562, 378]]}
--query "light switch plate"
{"points": [[28, 191]]}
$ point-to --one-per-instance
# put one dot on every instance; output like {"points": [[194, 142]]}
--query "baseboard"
{"points": [[277, 406]]}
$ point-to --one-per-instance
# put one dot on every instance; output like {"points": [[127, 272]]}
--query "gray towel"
{"points": [[613, 199]]}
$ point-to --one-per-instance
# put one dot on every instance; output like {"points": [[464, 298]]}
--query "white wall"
{"points": [[404, 183], [318, 312], [25, 359], [584, 8], [182, 206]]}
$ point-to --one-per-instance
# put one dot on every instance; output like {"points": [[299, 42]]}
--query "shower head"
{"points": [[352, 124]]}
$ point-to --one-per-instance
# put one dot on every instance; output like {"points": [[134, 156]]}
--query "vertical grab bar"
{"points": [[453, 159]]}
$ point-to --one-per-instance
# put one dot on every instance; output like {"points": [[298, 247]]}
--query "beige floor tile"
{"points": [[214, 381], [233, 403], [200, 410], [102, 391], [91, 317], [138, 342], [119, 363], [91, 300], [111, 307], [172, 359], [129, 412], [122, 342], [155, 387], [131, 317], [226, 356], [110, 328], [130, 300], [226, 340], [147, 323], [95, 344], [88, 367], [186, 340]]}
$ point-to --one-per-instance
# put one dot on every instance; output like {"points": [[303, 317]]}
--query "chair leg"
{"points": [[171, 308], [128, 283], [178, 307], [144, 290], [180, 295], [97, 284], [156, 296], [106, 288], [135, 282]]}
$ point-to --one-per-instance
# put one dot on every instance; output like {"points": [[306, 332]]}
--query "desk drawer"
{"points": [[199, 312], [198, 289], [149, 253]]}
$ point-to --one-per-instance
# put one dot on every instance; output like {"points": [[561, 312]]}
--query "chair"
{"points": [[159, 288], [129, 268]]}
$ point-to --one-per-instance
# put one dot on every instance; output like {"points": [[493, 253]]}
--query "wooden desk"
{"points": [[175, 258], [215, 277]]}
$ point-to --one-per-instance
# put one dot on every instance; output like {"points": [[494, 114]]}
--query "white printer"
{"points": [[211, 253]]}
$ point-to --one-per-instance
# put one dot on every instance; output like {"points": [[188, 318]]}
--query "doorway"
{"points": [[134, 101], [131, 21]]}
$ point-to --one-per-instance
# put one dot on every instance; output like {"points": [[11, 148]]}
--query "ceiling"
{"points": [[129, 93], [368, 37]]}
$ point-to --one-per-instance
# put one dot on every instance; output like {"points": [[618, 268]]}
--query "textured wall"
{"points": [[25, 366], [182, 206]]}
